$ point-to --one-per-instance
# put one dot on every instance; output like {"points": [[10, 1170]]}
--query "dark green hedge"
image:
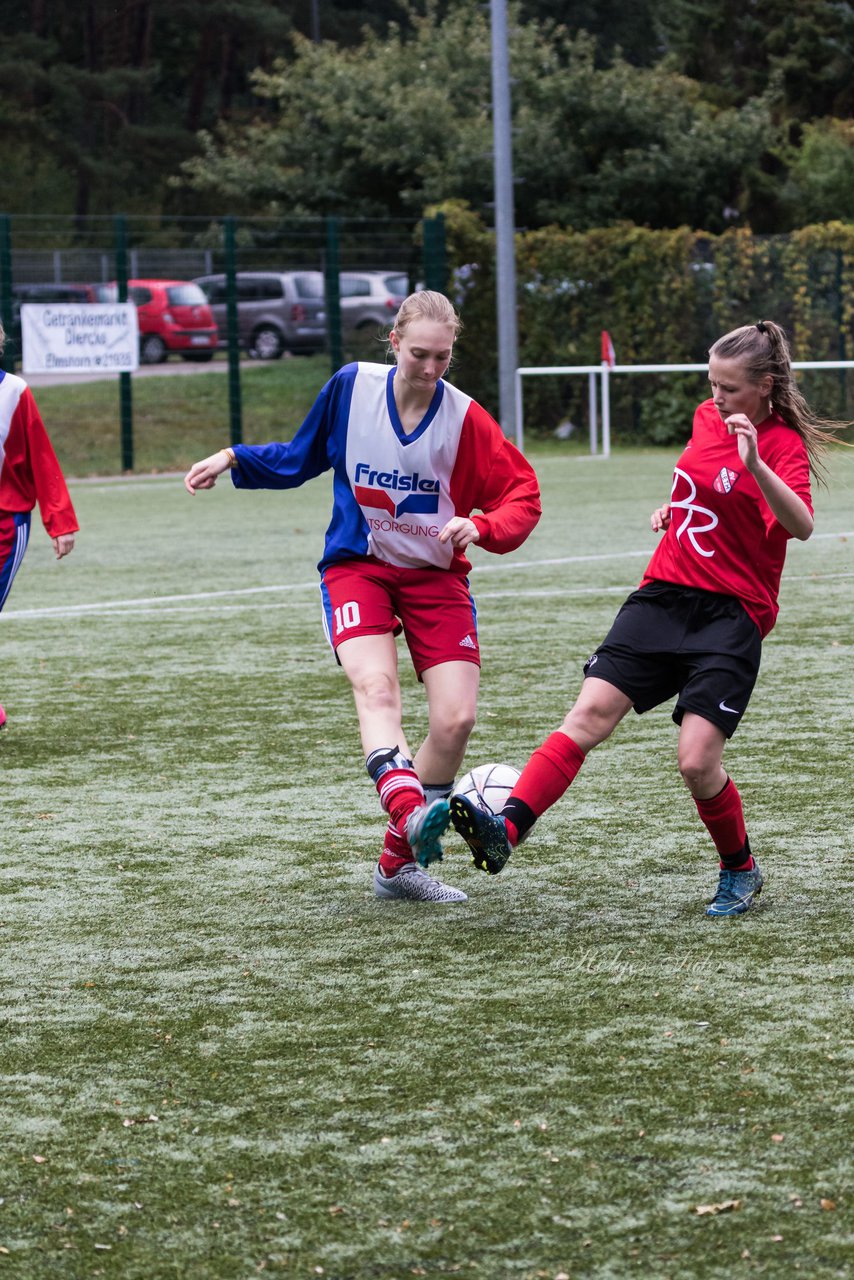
{"points": [[664, 296]]}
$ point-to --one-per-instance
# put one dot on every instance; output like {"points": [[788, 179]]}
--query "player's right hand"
{"points": [[203, 475], [660, 518]]}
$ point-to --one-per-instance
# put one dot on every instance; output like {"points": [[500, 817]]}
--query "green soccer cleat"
{"points": [[425, 827]]}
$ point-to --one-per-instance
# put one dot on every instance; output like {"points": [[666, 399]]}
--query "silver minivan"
{"points": [[277, 311]]}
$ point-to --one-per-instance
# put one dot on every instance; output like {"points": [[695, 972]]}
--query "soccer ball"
{"points": [[488, 786]]}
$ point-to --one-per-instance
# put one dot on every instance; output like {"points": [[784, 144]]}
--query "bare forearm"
{"points": [[792, 512]]}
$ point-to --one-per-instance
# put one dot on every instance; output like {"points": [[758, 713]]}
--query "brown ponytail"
{"points": [[764, 351]]}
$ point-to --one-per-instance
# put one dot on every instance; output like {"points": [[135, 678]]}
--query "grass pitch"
{"points": [[222, 1056]]}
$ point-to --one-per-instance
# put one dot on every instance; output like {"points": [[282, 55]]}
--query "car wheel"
{"points": [[152, 350], [197, 357], [266, 344]]}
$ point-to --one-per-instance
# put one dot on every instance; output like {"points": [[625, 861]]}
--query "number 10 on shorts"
{"points": [[346, 616]]}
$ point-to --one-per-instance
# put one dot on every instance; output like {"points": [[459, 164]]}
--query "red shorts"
{"points": [[434, 609], [14, 536]]}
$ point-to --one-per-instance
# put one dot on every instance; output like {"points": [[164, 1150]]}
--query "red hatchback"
{"points": [[173, 315]]}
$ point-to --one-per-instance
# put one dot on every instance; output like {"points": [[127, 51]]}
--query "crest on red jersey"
{"points": [[724, 480]]}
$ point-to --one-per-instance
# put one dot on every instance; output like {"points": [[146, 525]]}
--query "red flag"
{"points": [[608, 356]]}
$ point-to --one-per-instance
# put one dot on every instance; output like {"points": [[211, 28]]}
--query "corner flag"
{"points": [[608, 356]]}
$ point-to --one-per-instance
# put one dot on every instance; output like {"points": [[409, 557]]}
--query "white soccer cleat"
{"points": [[412, 884]]}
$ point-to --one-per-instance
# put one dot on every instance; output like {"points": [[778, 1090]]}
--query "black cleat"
{"points": [[484, 833]]}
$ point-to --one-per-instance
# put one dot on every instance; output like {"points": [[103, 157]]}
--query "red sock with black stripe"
{"points": [[398, 785], [545, 778], [723, 816]]}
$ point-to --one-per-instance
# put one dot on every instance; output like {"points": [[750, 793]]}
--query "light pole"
{"points": [[505, 248]]}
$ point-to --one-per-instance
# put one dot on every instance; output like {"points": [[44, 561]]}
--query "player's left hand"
{"points": [[738, 424], [460, 532], [63, 544]]}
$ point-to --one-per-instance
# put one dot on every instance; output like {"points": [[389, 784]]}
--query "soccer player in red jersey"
{"points": [[29, 474], [413, 458], [695, 626]]}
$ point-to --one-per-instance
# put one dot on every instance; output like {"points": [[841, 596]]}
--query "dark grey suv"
{"points": [[277, 311]]}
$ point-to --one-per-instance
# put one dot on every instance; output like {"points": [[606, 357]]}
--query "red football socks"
{"points": [[400, 792], [723, 816], [396, 851], [545, 778]]}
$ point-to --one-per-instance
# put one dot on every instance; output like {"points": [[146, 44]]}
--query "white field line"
{"points": [[146, 605]]}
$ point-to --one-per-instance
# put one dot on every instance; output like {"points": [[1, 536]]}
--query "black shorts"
{"points": [[669, 640]]}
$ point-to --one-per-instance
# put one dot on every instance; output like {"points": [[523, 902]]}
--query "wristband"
{"points": [[232, 461]]}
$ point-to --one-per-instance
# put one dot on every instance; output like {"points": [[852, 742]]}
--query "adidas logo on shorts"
{"points": [[467, 643]]}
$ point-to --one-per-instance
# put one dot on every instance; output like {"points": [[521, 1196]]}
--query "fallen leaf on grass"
{"points": [[724, 1206], [777, 1137], [827, 1204], [40, 1159]]}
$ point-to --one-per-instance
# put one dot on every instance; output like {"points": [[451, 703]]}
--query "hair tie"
{"points": [[761, 326]]}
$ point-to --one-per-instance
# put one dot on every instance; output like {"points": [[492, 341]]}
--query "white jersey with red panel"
{"points": [[29, 470], [394, 491], [723, 536]]}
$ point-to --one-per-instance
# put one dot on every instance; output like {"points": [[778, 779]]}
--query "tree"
{"points": [[740, 47], [105, 96], [404, 120], [820, 183]]}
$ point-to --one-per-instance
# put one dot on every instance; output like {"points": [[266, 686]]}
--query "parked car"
{"points": [[370, 299], [173, 315], [56, 292], [277, 311]]}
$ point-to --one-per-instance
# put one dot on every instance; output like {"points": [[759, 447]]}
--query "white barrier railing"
{"points": [[601, 396]]}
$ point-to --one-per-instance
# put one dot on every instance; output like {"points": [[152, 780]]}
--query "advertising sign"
{"points": [[65, 337]]}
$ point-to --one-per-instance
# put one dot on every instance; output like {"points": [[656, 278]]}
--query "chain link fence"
{"points": [[274, 285]]}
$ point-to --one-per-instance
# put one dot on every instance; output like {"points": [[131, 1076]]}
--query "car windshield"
{"points": [[185, 295], [397, 284]]}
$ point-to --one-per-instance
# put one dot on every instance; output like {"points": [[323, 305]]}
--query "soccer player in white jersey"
{"points": [[421, 472], [29, 474], [694, 629]]}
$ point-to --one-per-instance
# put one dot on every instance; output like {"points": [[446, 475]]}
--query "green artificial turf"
{"points": [[223, 1057]]}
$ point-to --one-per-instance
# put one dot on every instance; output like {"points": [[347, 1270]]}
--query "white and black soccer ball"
{"points": [[488, 786]]}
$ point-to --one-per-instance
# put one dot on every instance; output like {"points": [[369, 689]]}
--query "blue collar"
{"points": [[409, 437]]}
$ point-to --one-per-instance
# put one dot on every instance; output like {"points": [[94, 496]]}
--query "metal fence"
{"points": [[50, 250]]}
